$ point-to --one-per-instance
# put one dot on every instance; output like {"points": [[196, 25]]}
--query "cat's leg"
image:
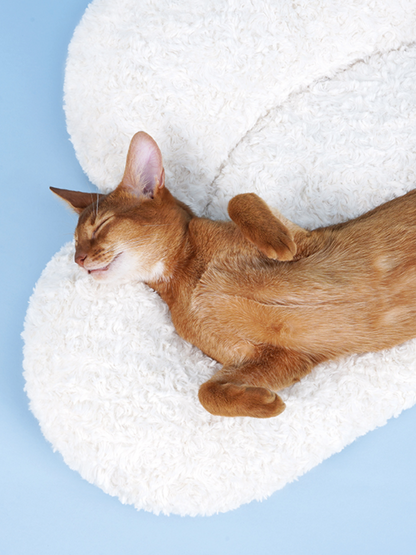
{"points": [[274, 235], [248, 389]]}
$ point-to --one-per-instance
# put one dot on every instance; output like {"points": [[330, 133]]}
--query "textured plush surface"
{"points": [[310, 104]]}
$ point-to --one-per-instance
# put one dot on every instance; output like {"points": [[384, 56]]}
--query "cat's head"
{"points": [[136, 231]]}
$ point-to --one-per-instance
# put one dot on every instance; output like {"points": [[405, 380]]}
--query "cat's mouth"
{"points": [[96, 272]]}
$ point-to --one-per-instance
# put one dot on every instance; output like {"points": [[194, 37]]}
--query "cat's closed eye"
{"points": [[100, 226]]}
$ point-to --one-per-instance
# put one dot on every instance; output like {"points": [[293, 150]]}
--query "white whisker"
{"points": [[120, 247], [96, 205], [131, 243], [154, 225]]}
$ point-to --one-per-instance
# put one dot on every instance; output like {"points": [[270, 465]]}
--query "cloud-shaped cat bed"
{"points": [[311, 105]]}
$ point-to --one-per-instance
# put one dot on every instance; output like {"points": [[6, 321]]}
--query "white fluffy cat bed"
{"points": [[311, 104]]}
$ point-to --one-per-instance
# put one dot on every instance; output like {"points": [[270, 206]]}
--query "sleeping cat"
{"points": [[264, 297]]}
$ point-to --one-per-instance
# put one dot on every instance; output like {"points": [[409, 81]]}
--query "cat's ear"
{"points": [[77, 200], [144, 175]]}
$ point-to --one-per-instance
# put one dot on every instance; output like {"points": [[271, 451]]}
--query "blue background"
{"points": [[361, 501]]}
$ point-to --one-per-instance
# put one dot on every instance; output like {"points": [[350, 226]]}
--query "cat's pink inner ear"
{"points": [[144, 167]]}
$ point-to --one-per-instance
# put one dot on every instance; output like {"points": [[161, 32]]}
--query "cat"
{"points": [[266, 298]]}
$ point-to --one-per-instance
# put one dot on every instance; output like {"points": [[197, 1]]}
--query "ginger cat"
{"points": [[264, 297]]}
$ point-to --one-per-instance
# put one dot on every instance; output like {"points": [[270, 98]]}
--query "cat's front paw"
{"points": [[228, 399], [260, 226]]}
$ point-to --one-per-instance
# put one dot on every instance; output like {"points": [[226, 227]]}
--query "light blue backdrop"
{"points": [[361, 501]]}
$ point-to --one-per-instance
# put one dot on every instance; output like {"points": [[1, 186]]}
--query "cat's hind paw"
{"points": [[228, 399]]}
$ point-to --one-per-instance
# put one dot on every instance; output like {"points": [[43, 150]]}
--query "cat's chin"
{"points": [[98, 274], [109, 276], [106, 272], [125, 269]]}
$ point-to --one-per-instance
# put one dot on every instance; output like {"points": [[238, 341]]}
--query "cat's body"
{"points": [[264, 297]]}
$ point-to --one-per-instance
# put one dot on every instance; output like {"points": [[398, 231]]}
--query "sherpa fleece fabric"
{"points": [[311, 104]]}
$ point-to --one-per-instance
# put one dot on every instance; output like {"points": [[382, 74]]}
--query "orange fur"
{"points": [[264, 297]]}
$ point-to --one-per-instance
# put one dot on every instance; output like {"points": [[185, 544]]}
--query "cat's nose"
{"points": [[80, 257]]}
